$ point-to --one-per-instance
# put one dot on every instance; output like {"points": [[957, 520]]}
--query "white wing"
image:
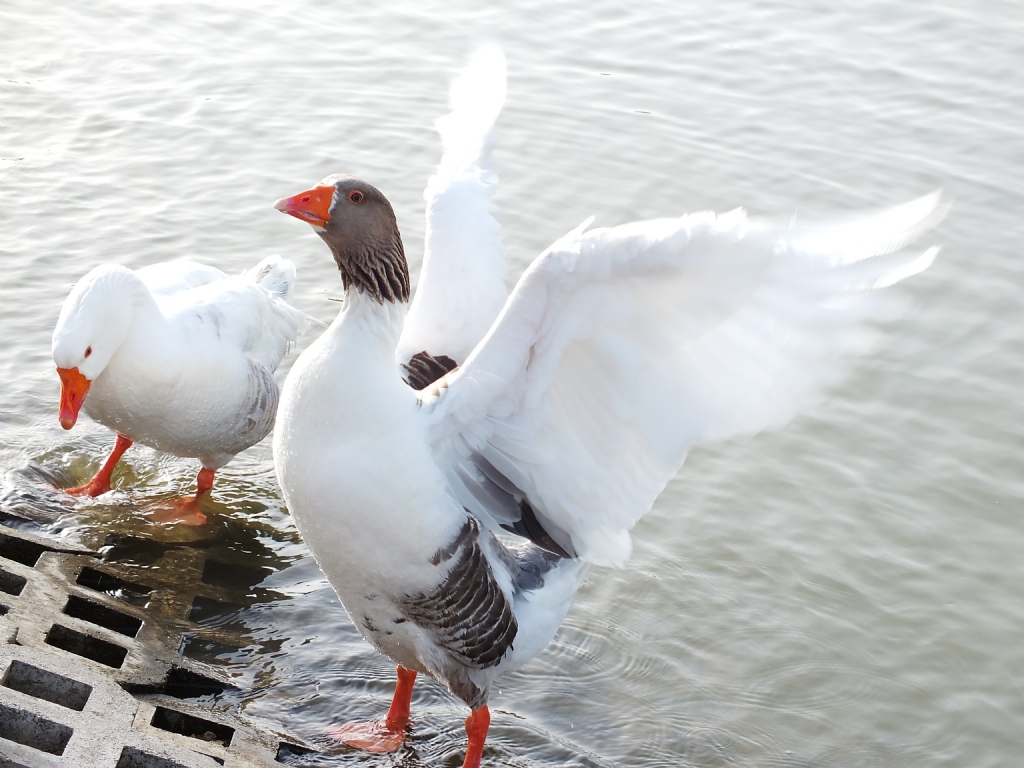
{"points": [[170, 277], [621, 348], [246, 313], [461, 288]]}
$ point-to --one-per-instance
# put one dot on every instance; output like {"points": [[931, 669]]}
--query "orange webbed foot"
{"points": [[385, 735], [101, 482], [93, 488], [186, 511], [183, 511], [379, 736]]}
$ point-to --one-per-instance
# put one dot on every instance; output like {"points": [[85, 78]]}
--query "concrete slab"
{"points": [[91, 673]]}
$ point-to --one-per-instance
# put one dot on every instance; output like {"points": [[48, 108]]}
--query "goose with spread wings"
{"points": [[618, 351], [457, 464]]}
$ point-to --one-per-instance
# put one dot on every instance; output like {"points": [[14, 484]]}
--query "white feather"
{"points": [[179, 355], [461, 287], [622, 348]]}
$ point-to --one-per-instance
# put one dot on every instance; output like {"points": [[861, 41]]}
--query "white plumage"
{"points": [[179, 356], [461, 288], [621, 348], [618, 350]]}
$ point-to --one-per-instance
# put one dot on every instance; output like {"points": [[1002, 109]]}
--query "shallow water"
{"points": [[844, 592]]}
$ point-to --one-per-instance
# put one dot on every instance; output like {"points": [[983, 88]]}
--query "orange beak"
{"points": [[73, 389], [313, 205]]}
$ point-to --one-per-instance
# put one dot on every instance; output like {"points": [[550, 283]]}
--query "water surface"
{"points": [[844, 592]]}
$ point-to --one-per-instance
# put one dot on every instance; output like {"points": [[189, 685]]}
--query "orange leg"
{"points": [[385, 735], [204, 481], [101, 482], [477, 724], [398, 713]]}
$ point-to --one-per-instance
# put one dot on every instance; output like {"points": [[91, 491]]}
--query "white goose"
{"points": [[618, 350], [177, 356]]}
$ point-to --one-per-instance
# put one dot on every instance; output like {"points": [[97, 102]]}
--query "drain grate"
{"points": [[81, 644], [187, 684], [91, 669], [101, 615], [46, 685], [99, 581], [136, 758], [12, 583], [20, 550], [194, 727], [285, 750], [33, 730]]}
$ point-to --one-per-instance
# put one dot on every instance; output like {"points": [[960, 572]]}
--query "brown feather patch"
{"points": [[424, 369], [467, 612]]}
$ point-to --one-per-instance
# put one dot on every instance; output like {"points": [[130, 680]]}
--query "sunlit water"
{"points": [[844, 592]]}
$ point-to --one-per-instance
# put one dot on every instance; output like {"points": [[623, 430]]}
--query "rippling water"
{"points": [[844, 592]]}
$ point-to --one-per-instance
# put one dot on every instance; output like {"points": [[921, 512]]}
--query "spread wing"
{"points": [[621, 348], [461, 287]]}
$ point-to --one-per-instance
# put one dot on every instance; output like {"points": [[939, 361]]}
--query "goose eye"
{"points": [[88, 351], [355, 196]]}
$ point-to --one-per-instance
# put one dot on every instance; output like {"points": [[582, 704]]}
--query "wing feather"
{"points": [[248, 312], [622, 348], [461, 286], [170, 277]]}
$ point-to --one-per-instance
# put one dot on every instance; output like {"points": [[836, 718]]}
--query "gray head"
{"points": [[358, 225]]}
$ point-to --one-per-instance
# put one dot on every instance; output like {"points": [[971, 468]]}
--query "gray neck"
{"points": [[380, 272]]}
